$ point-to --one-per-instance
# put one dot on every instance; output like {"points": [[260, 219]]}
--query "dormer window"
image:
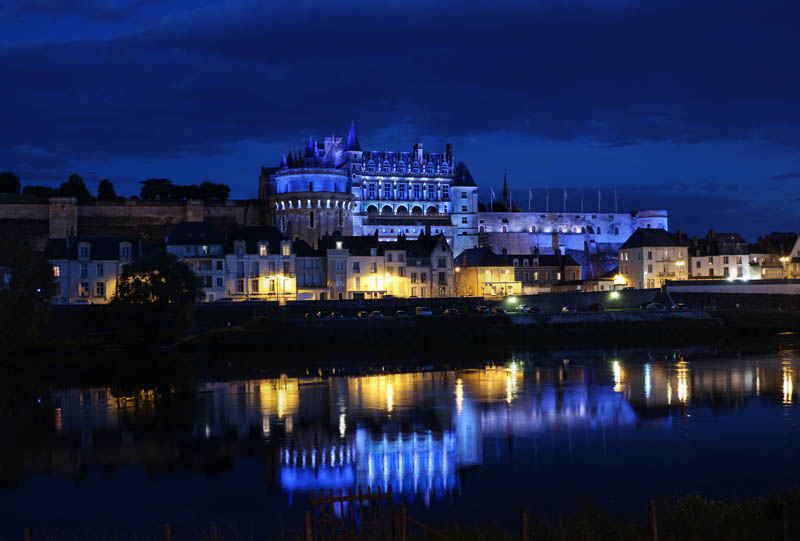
{"points": [[125, 250], [286, 249], [84, 250], [373, 251], [239, 248], [338, 245], [262, 249]]}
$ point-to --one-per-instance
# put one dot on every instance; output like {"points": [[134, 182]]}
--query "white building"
{"points": [[86, 269], [201, 246], [652, 256]]}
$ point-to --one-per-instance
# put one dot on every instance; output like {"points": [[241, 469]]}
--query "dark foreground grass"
{"points": [[686, 518]]}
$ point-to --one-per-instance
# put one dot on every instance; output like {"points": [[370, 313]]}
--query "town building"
{"points": [[650, 257], [722, 256], [202, 247], [86, 269], [367, 268], [260, 265], [480, 272], [538, 272]]}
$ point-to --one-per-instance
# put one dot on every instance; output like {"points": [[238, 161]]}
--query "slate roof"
{"points": [[100, 248], [357, 246], [481, 257], [652, 237], [302, 249], [195, 233], [462, 176], [252, 235]]}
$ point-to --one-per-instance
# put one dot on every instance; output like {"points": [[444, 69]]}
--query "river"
{"points": [[550, 434]]}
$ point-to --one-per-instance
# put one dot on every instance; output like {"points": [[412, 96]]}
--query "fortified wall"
{"points": [[57, 217]]}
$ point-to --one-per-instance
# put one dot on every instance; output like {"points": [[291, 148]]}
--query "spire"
{"points": [[352, 138], [505, 186], [310, 148], [284, 165]]}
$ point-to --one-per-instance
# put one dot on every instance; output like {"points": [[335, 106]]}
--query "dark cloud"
{"points": [[615, 75], [786, 176]]}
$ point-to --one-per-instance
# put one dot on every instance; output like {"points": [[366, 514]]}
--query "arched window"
{"points": [[311, 220], [525, 264], [387, 167], [599, 231], [481, 229], [415, 167], [370, 166], [516, 262], [648, 226], [283, 222], [401, 166], [533, 229], [574, 229], [505, 229], [340, 218], [443, 169], [430, 169], [583, 230], [616, 230]]}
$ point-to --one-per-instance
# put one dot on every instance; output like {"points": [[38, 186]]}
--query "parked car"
{"points": [[451, 313], [376, 314], [362, 314], [655, 306], [389, 297], [310, 315], [596, 307], [337, 315], [323, 314], [482, 309], [678, 306], [568, 309], [423, 311], [81, 302], [401, 314], [498, 312]]}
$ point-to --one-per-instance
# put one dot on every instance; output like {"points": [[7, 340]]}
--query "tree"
{"points": [[26, 288], [75, 187], [210, 190], [9, 183], [157, 188], [105, 190], [156, 295], [40, 191], [158, 278]]}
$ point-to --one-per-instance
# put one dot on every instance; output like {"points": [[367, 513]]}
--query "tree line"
{"points": [[160, 189]]}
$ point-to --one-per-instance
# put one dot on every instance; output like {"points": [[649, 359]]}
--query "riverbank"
{"points": [[285, 338]]}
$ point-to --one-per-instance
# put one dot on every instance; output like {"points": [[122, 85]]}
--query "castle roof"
{"points": [[462, 176], [352, 139], [652, 237]]}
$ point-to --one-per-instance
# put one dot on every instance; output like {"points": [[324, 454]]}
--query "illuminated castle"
{"points": [[337, 186]]}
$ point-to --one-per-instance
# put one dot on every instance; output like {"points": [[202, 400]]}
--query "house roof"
{"points": [[652, 237], [252, 235], [195, 233], [481, 257], [358, 246], [100, 248], [302, 249]]}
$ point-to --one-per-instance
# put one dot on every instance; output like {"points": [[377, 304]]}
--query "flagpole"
{"points": [[529, 199], [565, 200], [615, 202], [581, 201], [598, 200], [547, 200]]}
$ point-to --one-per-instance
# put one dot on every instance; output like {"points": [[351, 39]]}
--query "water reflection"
{"points": [[418, 431]]}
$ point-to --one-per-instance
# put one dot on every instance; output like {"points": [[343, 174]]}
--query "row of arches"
{"points": [[558, 229], [402, 210], [312, 203], [386, 167]]}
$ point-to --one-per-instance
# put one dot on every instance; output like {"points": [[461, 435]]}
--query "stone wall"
{"points": [[42, 219]]}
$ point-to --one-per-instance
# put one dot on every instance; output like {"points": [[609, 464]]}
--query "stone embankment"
{"points": [[621, 316]]}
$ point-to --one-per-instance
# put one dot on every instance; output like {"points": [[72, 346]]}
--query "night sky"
{"points": [[692, 106]]}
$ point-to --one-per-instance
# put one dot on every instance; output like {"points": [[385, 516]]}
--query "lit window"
{"points": [[56, 271]]}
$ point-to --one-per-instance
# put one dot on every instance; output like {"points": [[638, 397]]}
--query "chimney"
{"points": [[449, 152]]}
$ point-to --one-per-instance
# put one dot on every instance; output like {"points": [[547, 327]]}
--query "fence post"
{"points": [[309, 530], [653, 523], [526, 532], [167, 533]]}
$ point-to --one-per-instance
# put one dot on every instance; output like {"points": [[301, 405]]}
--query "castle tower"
{"points": [[63, 217], [464, 193]]}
